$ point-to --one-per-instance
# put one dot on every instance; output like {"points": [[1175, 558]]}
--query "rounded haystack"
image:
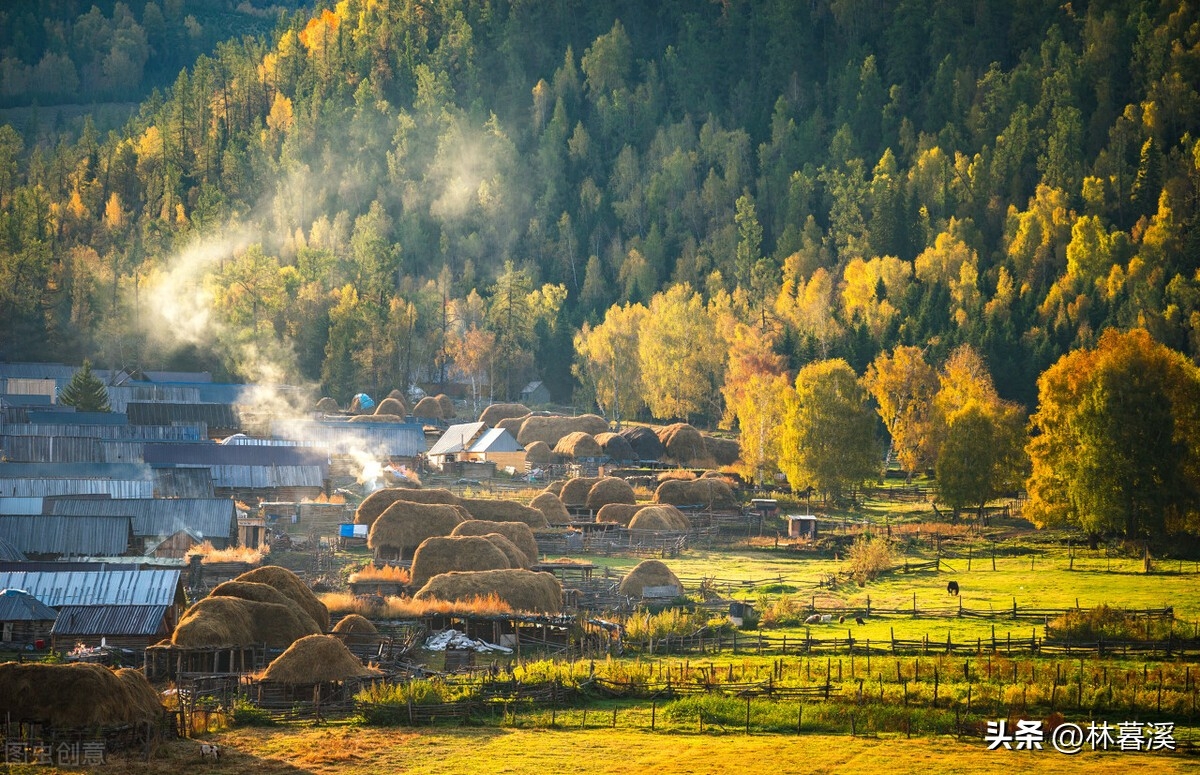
{"points": [[494, 413], [659, 519], [442, 554], [706, 493], [76, 695], [355, 624], [608, 490], [376, 418], [575, 491], [446, 403], [516, 557], [519, 533], [328, 406], [392, 406], [644, 442], [648, 573], [291, 586], [521, 590], [428, 408], [377, 502], [499, 510], [396, 393], [232, 621], [513, 426], [141, 697], [614, 446], [683, 443], [577, 445], [402, 527], [551, 429], [555, 487], [723, 452], [261, 593], [621, 513], [539, 454], [549, 504], [316, 659]]}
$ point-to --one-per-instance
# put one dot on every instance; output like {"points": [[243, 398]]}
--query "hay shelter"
{"points": [[662, 518], [519, 533], [552, 507], [442, 554], [428, 408], [393, 406], [539, 454], [575, 491], [402, 527], [649, 574], [522, 590], [608, 490], [714, 494], [355, 624], [620, 513], [723, 452], [500, 510], [616, 447], [552, 428], [220, 622], [577, 445], [328, 406], [291, 586], [494, 413], [446, 404], [77, 695], [644, 442], [316, 659], [377, 502], [683, 443], [262, 593]]}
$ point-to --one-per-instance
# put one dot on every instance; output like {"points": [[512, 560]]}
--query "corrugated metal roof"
{"points": [[457, 438], [108, 587], [183, 482], [66, 536], [178, 376], [20, 506], [128, 471], [215, 416], [52, 449], [267, 477], [146, 620], [211, 454], [159, 517], [60, 372], [118, 480], [63, 427], [10, 553], [79, 418], [120, 396], [381, 439], [17, 605], [496, 440]]}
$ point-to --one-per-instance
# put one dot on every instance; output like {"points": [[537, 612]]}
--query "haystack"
{"points": [[648, 573], [449, 412], [442, 554], [608, 490], [498, 510], [143, 700], [392, 406], [683, 443], [355, 624], [396, 393], [577, 445], [519, 533], [513, 425], [522, 590], [621, 513], [377, 502], [551, 429], [516, 557], [555, 487], [575, 491], [539, 454], [614, 446], [317, 659], [232, 621], [429, 408], [497, 412], [549, 504], [660, 518], [724, 452], [707, 493], [395, 418], [404, 525], [76, 695], [644, 442], [262, 593], [291, 586], [328, 405]]}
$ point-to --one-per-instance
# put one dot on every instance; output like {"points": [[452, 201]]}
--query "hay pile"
{"points": [[293, 587], [551, 429], [442, 554], [577, 445], [522, 590], [644, 443], [449, 412], [660, 518], [316, 659], [76, 695], [715, 494], [683, 443], [614, 446], [493, 414], [498, 510], [621, 513], [549, 504], [513, 425], [555, 487], [428, 408], [724, 452], [392, 406], [377, 502], [608, 490], [575, 491], [516, 557], [328, 406], [519, 533], [355, 624], [404, 525], [539, 454], [648, 573], [376, 418], [232, 621], [263, 593]]}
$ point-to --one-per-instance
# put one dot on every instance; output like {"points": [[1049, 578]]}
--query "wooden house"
{"points": [[25, 621]]}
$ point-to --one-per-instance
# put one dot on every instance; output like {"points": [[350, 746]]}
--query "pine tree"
{"points": [[85, 392]]}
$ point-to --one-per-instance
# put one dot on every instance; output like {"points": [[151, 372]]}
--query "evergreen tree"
{"points": [[85, 392]]}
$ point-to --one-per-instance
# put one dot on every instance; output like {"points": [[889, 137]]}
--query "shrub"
{"points": [[868, 558], [1106, 623]]}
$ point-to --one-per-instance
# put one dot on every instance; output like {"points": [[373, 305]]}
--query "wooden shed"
{"points": [[25, 621]]}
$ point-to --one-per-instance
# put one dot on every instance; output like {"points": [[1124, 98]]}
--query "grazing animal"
{"points": [[826, 618], [952, 587], [842, 619], [859, 620], [210, 751], [813, 619]]}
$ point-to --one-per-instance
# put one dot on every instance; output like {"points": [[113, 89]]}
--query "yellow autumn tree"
{"points": [[903, 385]]}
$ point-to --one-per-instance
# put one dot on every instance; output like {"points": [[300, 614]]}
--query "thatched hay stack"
{"points": [[677, 474], [76, 695], [141, 697], [376, 418], [513, 426], [644, 442], [708, 493], [291, 586], [724, 452], [396, 393], [522, 590], [615, 446], [377, 502], [393, 406], [539, 454], [262, 593], [549, 504], [555, 487], [575, 491], [608, 490], [516, 557], [449, 411], [404, 525], [519, 533], [660, 518], [494, 413], [429, 408], [648, 573], [328, 406], [621, 513], [683, 443], [551, 429], [577, 445], [442, 554], [355, 624], [499, 510], [316, 659], [232, 621]]}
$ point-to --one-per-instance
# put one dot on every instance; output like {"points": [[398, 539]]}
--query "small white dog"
{"points": [[210, 751]]}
